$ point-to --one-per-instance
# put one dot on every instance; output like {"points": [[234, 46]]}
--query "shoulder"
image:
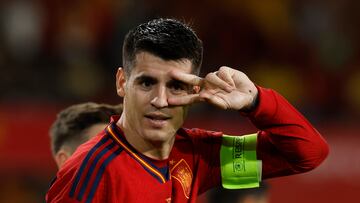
{"points": [[82, 151], [83, 172]]}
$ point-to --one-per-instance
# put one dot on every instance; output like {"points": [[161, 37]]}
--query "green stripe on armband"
{"points": [[239, 167]]}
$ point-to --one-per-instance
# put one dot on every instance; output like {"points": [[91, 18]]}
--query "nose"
{"points": [[160, 98]]}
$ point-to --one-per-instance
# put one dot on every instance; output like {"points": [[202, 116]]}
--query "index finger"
{"points": [[184, 100], [187, 78]]}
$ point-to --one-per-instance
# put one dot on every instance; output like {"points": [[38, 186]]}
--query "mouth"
{"points": [[157, 120], [157, 116]]}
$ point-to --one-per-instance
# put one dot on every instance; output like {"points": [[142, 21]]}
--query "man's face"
{"points": [[146, 91]]}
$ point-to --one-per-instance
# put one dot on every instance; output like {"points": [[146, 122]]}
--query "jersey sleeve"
{"points": [[287, 143]]}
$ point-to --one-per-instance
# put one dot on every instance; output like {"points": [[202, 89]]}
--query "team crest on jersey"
{"points": [[181, 172]]}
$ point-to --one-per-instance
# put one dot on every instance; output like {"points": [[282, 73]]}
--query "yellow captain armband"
{"points": [[239, 167]]}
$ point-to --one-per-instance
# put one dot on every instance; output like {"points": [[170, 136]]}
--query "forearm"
{"points": [[287, 142]]}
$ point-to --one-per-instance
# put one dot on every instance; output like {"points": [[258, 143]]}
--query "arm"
{"points": [[287, 143]]}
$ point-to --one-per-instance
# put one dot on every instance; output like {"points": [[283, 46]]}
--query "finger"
{"points": [[184, 100], [225, 74], [214, 100], [215, 91], [186, 78], [212, 78]]}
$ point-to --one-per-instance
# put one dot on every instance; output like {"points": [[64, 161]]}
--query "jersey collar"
{"points": [[161, 174]]}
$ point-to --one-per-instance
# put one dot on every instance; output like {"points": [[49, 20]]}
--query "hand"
{"points": [[226, 88]]}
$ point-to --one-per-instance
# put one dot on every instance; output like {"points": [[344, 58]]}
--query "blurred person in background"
{"points": [[77, 124], [250, 195], [133, 159]]}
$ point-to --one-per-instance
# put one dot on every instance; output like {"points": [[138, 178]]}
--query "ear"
{"points": [[60, 157], [196, 89], [120, 82]]}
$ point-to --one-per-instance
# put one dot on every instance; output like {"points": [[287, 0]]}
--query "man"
{"points": [[76, 125], [146, 156]]}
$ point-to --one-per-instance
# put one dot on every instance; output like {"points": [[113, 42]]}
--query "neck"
{"points": [[158, 150]]}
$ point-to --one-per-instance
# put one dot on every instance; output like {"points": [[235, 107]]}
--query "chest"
{"points": [[134, 181]]}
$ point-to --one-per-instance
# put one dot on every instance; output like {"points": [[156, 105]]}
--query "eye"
{"points": [[146, 83], [178, 87]]}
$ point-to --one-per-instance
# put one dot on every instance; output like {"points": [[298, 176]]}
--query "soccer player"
{"points": [[145, 155], [76, 125]]}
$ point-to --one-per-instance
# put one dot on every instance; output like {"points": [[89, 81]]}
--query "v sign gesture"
{"points": [[226, 88]]}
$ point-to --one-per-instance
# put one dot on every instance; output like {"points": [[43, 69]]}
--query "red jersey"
{"points": [[109, 169]]}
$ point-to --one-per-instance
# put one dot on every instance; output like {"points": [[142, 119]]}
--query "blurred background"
{"points": [[57, 53]]}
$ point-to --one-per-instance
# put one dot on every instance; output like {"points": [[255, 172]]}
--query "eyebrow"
{"points": [[172, 81], [145, 77]]}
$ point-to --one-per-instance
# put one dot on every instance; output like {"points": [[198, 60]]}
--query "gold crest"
{"points": [[182, 173]]}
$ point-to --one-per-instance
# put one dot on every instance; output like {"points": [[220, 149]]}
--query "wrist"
{"points": [[252, 106]]}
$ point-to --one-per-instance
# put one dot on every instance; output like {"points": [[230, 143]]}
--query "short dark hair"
{"points": [[71, 122], [168, 39]]}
